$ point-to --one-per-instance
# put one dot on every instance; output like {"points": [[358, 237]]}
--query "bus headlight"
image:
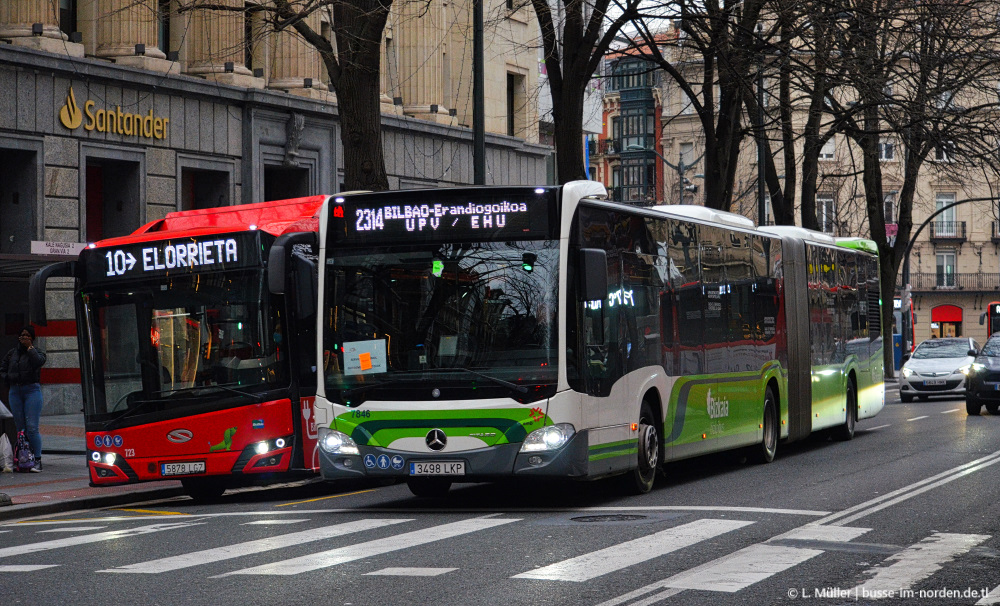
{"points": [[109, 458], [261, 447], [550, 437], [338, 443]]}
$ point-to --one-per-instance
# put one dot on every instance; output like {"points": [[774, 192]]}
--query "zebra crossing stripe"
{"points": [[993, 597], [91, 538], [333, 557], [919, 561], [228, 552], [630, 553], [25, 567]]}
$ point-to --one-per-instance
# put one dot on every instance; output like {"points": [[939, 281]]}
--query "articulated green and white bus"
{"points": [[469, 334]]}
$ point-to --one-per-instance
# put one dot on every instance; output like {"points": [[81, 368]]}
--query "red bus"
{"points": [[191, 368], [991, 318]]}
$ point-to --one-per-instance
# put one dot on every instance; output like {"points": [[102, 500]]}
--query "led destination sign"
{"points": [[209, 253], [448, 217]]}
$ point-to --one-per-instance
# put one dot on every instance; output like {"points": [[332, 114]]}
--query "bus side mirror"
{"points": [[593, 274], [982, 319], [305, 277], [36, 288]]}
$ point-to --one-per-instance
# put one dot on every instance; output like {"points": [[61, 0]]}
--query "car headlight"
{"points": [[970, 369], [338, 443], [550, 437], [907, 372]]}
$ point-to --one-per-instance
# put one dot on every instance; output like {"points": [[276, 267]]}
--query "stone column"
{"points": [[420, 35], [121, 25], [389, 69], [294, 60], [17, 18], [215, 37]]}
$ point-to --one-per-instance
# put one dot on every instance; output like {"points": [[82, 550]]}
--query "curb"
{"points": [[11, 512]]}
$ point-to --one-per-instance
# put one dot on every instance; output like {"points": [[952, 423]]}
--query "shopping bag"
{"points": [[6, 454]]}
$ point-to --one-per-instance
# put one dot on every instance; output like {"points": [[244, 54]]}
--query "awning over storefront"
{"points": [[946, 313]]}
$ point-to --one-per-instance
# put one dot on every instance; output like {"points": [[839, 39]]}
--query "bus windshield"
{"points": [[181, 345], [477, 320]]}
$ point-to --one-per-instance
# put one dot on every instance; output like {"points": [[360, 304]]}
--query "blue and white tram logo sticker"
{"points": [[118, 441], [107, 441], [383, 461], [370, 461], [98, 442], [397, 462]]}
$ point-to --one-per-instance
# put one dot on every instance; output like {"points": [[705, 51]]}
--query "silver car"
{"points": [[933, 369]]}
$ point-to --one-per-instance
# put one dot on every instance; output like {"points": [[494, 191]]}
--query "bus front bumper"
{"points": [[504, 460]]}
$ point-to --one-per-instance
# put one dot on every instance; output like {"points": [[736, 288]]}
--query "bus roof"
{"points": [[858, 244], [798, 232], [276, 217], [704, 213]]}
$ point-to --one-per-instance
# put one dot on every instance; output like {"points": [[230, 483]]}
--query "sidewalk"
{"points": [[64, 484]]}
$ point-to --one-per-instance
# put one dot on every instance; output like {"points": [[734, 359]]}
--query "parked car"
{"points": [[934, 368], [983, 379]]}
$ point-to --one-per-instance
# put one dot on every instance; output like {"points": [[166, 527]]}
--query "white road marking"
{"points": [[25, 567], [742, 568], [896, 496], [993, 597], [91, 538], [73, 529], [228, 552], [944, 412], [876, 427], [410, 572], [333, 557], [275, 522], [917, 562], [917, 418], [630, 553]]}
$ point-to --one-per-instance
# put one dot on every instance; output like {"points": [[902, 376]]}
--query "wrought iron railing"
{"points": [[955, 281], [948, 230]]}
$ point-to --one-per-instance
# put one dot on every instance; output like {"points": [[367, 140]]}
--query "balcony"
{"points": [[948, 231], [929, 282], [609, 147]]}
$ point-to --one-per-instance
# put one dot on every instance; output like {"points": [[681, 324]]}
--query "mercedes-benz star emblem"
{"points": [[436, 440]]}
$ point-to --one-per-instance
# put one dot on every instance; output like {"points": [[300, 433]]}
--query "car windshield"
{"points": [[400, 317], [150, 344], [992, 348], [942, 348]]}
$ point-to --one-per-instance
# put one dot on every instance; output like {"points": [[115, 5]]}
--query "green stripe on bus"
{"points": [[617, 453]]}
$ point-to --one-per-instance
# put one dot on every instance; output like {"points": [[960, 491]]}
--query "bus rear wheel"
{"points": [[641, 478], [204, 489], [764, 453], [846, 431], [429, 487]]}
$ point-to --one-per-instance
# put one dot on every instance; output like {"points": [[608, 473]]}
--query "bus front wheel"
{"points": [[644, 475], [846, 431], [769, 443]]}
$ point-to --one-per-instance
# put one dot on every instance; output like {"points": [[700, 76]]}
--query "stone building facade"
{"points": [[114, 113]]}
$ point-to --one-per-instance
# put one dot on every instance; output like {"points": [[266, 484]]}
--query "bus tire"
{"points": [[204, 489], [764, 453], [973, 406], [641, 478], [429, 487], [846, 431]]}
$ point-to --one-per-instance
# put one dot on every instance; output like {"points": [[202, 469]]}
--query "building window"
{"points": [[687, 154], [889, 200], [828, 150], [945, 152], [163, 25], [944, 223], [515, 105], [886, 150], [67, 16], [946, 269], [826, 213]]}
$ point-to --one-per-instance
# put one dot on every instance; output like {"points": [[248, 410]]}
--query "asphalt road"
{"points": [[907, 506]]}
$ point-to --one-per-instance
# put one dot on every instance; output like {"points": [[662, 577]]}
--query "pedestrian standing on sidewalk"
{"points": [[21, 370]]}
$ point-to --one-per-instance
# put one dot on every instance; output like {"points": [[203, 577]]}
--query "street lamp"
{"points": [[680, 167]]}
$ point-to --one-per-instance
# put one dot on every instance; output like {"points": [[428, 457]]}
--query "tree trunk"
{"points": [[361, 128], [567, 112]]}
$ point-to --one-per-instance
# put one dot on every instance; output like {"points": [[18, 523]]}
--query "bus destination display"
{"points": [[154, 258], [419, 220]]}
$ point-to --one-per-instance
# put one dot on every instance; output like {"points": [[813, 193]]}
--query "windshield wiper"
{"points": [[139, 405], [498, 381], [222, 386], [142, 404]]}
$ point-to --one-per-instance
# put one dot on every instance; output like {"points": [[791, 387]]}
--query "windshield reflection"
{"points": [[400, 316]]}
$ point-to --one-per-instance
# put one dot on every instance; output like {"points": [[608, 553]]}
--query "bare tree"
{"points": [[576, 34]]}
